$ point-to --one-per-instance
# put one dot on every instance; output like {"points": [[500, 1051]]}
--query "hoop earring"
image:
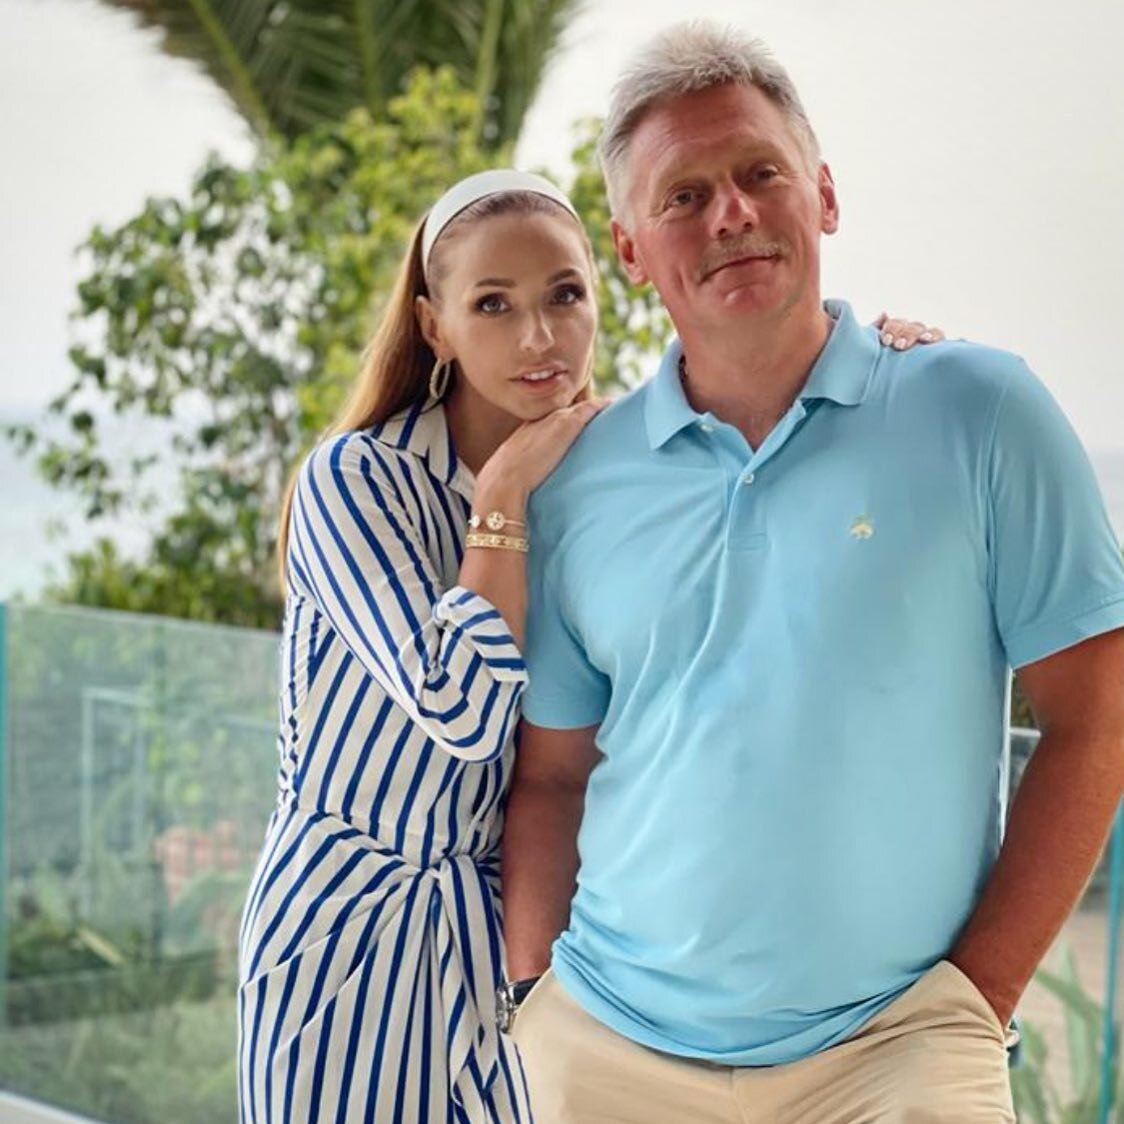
{"points": [[440, 378]]}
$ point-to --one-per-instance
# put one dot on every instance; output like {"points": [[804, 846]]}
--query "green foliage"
{"points": [[633, 323], [1037, 1098], [1021, 714], [238, 315], [140, 766], [235, 319], [292, 65], [153, 1065], [122, 727]]}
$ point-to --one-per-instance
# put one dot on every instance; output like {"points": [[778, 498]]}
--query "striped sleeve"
{"points": [[447, 657]]}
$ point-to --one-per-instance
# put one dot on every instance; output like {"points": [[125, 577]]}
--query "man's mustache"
{"points": [[746, 246]]}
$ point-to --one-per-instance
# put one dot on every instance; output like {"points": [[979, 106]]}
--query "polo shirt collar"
{"points": [[666, 409], [840, 374], [842, 371]]}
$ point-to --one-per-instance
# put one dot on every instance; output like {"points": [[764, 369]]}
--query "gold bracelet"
{"points": [[494, 521], [496, 542]]}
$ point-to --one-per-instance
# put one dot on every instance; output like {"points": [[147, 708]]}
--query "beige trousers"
{"points": [[936, 1055]]}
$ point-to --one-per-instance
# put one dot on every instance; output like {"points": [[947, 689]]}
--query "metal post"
{"points": [[159, 787], [1108, 1035], [86, 806], [4, 773]]}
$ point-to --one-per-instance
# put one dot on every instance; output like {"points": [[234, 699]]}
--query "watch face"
{"points": [[505, 1009], [495, 520]]}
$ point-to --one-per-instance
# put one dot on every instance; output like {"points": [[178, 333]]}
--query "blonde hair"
{"points": [[398, 361]]}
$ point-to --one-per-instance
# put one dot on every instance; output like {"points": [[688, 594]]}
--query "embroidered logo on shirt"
{"points": [[863, 527]]}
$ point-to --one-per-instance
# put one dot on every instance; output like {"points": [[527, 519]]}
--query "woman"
{"points": [[370, 946]]}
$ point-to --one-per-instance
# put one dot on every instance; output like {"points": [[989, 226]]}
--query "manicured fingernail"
{"points": [[926, 337], [901, 343], [887, 338]]}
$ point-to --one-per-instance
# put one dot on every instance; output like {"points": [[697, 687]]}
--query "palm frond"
{"points": [[289, 65], [219, 35], [532, 36]]}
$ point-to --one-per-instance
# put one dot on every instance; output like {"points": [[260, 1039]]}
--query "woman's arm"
{"points": [[446, 656], [452, 657]]}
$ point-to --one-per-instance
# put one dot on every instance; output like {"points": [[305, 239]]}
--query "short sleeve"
{"points": [[565, 691], [1055, 566]]}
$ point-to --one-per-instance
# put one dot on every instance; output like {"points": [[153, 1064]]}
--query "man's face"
{"points": [[726, 209]]}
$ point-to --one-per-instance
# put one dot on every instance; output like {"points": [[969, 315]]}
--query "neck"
{"points": [[750, 376], [477, 426]]}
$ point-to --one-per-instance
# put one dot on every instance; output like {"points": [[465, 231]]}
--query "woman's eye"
{"points": [[568, 294], [493, 302]]}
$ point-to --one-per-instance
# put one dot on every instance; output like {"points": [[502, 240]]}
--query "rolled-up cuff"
{"points": [[474, 621], [1038, 642]]}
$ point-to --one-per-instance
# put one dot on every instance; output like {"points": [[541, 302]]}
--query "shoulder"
{"points": [[988, 396], [955, 383], [961, 367], [366, 450], [356, 469], [615, 436], [973, 376]]}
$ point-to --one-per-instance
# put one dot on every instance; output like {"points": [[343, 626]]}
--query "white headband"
{"points": [[473, 188]]}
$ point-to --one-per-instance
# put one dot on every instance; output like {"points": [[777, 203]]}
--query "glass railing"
{"points": [[139, 758], [137, 771]]}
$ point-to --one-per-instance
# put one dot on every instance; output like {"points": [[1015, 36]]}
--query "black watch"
{"points": [[508, 997]]}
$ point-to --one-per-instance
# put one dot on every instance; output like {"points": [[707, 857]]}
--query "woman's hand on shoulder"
{"points": [[901, 335], [536, 448]]}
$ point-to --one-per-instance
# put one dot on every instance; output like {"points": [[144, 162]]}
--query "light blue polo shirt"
{"points": [[798, 657]]}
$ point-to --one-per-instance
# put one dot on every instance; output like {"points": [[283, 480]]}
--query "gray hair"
{"points": [[682, 59]]}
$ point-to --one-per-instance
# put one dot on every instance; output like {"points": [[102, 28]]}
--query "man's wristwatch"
{"points": [[508, 997]]}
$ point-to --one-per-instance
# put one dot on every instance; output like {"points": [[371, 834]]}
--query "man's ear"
{"points": [[627, 255], [829, 201], [429, 324]]}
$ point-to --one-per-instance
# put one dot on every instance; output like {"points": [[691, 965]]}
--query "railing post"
{"points": [[4, 775], [1108, 1033]]}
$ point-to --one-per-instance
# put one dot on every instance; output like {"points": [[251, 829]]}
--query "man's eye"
{"points": [[493, 302], [682, 198], [765, 173]]}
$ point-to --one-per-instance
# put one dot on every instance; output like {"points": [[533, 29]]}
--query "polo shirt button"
{"points": [[749, 480], [706, 427]]}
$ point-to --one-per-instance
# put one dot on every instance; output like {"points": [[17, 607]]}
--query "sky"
{"points": [[975, 145]]}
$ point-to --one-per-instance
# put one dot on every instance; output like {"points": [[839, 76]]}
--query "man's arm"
{"points": [[1059, 820], [540, 841]]}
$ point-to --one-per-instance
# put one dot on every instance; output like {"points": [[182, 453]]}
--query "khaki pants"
{"points": [[936, 1055]]}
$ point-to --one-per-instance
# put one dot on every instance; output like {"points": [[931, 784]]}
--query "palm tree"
{"points": [[291, 64]]}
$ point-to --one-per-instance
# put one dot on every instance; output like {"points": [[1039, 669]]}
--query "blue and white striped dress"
{"points": [[370, 944]]}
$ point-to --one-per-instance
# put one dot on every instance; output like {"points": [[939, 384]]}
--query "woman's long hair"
{"points": [[398, 362]]}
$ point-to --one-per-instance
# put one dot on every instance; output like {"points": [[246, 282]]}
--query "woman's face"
{"points": [[516, 311]]}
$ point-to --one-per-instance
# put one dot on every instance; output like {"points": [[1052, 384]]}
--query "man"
{"points": [[775, 596]]}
